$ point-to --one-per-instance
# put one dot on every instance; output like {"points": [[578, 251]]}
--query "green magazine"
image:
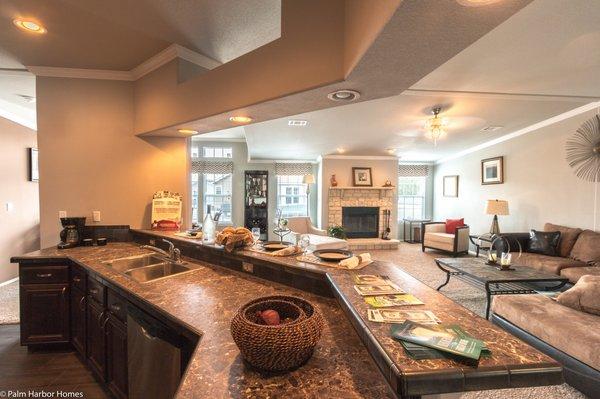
{"points": [[438, 338], [420, 352]]}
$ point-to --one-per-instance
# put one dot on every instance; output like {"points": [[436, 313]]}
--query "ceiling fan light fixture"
{"points": [[434, 126], [29, 26]]}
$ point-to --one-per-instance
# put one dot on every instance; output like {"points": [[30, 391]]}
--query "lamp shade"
{"points": [[496, 207], [308, 179]]}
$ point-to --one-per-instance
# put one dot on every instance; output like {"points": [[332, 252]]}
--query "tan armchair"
{"points": [[434, 236], [303, 225]]}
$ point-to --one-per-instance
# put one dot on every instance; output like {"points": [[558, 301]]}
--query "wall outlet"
{"points": [[248, 267], [10, 207], [62, 214], [96, 216]]}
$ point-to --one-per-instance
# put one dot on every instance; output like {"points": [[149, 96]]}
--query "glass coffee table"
{"points": [[518, 280]]}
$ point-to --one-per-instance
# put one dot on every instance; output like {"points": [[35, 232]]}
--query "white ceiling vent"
{"points": [[297, 122], [491, 128]]}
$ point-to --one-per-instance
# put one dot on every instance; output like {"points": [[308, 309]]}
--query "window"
{"points": [[212, 189], [216, 152], [291, 196], [411, 197]]}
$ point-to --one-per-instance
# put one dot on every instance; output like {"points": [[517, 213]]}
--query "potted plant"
{"points": [[337, 232]]}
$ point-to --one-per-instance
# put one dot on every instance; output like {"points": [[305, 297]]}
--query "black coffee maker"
{"points": [[72, 232]]}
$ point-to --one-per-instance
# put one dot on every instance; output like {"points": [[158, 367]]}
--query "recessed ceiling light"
{"points": [[476, 3], [491, 128], [29, 26], [187, 131], [297, 122], [390, 151], [240, 119], [344, 95], [340, 150]]}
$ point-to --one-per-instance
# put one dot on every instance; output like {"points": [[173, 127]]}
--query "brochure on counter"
{"points": [[439, 338], [400, 316], [371, 284], [386, 301]]}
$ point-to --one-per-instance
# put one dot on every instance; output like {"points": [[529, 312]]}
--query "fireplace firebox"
{"points": [[361, 221]]}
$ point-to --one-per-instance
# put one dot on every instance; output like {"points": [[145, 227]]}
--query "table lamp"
{"points": [[308, 180], [496, 207]]}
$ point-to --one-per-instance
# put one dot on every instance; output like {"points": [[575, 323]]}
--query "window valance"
{"points": [[293, 169], [413, 170], [221, 167]]}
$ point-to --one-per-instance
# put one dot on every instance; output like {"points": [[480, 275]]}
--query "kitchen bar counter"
{"points": [[205, 300]]}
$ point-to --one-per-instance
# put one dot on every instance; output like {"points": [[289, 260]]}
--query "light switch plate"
{"points": [[10, 207], [62, 214], [96, 216]]}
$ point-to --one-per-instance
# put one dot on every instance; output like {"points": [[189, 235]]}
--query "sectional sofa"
{"points": [[570, 336]]}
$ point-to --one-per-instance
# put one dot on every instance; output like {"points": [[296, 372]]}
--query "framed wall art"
{"points": [[492, 170], [450, 186], [362, 177], [32, 155]]}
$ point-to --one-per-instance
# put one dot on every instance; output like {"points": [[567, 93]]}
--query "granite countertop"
{"points": [[205, 299]]}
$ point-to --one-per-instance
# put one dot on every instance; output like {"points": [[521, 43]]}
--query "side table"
{"points": [[410, 222]]}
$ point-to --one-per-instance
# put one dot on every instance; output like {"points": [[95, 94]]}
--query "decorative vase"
{"points": [[333, 181]]}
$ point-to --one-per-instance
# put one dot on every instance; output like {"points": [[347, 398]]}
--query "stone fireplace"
{"points": [[379, 199]]}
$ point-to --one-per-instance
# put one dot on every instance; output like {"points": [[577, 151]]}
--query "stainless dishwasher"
{"points": [[154, 357]]}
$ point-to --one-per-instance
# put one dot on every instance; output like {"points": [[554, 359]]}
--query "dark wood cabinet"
{"points": [[78, 320], [116, 359], [44, 313], [96, 343]]}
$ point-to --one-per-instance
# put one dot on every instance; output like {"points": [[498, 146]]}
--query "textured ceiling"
{"points": [[542, 61], [120, 34]]}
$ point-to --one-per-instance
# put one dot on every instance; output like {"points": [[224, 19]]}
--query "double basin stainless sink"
{"points": [[146, 268]]}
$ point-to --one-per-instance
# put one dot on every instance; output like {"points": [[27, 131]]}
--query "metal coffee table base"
{"points": [[502, 287]]}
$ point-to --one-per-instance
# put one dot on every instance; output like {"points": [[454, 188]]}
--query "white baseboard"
{"points": [[7, 282]]}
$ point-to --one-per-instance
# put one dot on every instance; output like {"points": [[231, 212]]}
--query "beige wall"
{"points": [[539, 185], [91, 160], [382, 169], [19, 227]]}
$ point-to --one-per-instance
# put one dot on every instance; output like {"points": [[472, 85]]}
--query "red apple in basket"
{"points": [[270, 317]]}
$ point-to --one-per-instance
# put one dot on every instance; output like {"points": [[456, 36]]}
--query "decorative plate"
{"points": [[275, 245], [332, 255]]}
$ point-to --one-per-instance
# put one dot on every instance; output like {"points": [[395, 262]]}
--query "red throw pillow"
{"points": [[452, 224]]}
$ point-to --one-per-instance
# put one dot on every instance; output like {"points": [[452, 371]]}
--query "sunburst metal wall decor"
{"points": [[583, 150]]}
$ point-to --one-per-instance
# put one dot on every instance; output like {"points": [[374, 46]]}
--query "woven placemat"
{"points": [[310, 258]]}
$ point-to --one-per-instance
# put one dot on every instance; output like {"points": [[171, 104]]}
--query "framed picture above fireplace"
{"points": [[362, 177]]}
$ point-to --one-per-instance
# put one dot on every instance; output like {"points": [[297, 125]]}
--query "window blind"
{"points": [[413, 170], [293, 169], [221, 167]]}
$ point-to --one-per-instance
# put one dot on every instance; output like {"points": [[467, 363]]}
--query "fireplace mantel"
{"points": [[345, 189]]}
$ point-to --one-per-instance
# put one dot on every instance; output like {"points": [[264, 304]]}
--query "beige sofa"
{"points": [[434, 236], [570, 336], [578, 252]]}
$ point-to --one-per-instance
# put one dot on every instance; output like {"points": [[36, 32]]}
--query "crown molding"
{"points": [[79, 73], [363, 157], [151, 64], [273, 161], [521, 132]]}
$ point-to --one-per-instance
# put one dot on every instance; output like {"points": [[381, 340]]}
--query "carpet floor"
{"points": [[9, 303], [422, 266]]}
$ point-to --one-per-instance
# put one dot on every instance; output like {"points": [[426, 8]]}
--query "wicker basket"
{"points": [[282, 347]]}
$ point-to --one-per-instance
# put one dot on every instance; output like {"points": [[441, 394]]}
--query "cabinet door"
{"points": [[78, 315], [44, 313], [96, 345], [116, 357]]}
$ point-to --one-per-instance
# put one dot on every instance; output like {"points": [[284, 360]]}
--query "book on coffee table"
{"points": [[438, 338], [385, 301], [400, 316]]}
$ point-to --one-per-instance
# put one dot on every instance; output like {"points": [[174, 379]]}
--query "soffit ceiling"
{"points": [[541, 62], [121, 34]]}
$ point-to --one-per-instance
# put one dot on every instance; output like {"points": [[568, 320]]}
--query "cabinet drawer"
{"points": [[78, 277], [51, 274], [96, 291], [117, 305]]}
